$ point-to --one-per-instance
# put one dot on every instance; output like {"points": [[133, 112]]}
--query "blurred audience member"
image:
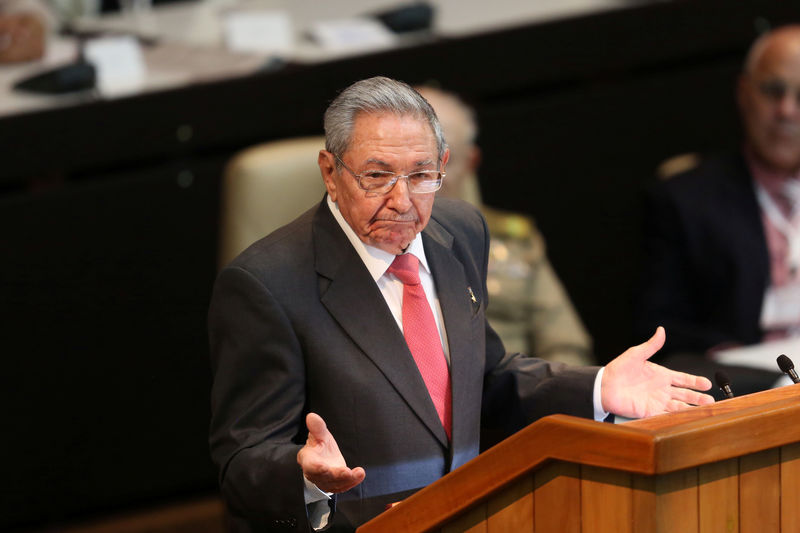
{"points": [[723, 239], [528, 308]]}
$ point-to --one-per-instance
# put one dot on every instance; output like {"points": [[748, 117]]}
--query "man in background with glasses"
{"points": [[723, 239], [353, 363]]}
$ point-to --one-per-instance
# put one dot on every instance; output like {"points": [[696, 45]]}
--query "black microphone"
{"points": [[80, 75], [787, 367], [724, 383]]}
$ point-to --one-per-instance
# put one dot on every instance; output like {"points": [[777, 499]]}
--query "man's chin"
{"points": [[787, 162], [394, 243]]}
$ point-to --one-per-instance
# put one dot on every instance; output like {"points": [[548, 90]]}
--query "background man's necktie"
{"points": [[422, 337]]}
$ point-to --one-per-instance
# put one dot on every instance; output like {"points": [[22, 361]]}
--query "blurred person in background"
{"points": [[23, 30], [722, 240], [529, 307]]}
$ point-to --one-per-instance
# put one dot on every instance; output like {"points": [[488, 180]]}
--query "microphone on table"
{"points": [[724, 383], [787, 367], [79, 75]]}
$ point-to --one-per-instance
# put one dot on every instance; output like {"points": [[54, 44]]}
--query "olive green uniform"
{"points": [[528, 306]]}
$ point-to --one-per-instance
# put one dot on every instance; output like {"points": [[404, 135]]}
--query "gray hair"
{"points": [[376, 95]]}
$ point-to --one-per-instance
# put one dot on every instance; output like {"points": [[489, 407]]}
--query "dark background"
{"points": [[109, 211]]}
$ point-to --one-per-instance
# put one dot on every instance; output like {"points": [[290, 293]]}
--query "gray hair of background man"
{"points": [[456, 116], [376, 95]]}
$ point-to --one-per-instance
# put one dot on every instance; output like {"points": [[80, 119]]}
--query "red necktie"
{"points": [[422, 337]]}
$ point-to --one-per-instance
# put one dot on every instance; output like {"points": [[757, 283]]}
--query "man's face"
{"points": [[769, 101], [387, 142]]}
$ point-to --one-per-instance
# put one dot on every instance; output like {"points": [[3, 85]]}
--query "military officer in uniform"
{"points": [[529, 308]]}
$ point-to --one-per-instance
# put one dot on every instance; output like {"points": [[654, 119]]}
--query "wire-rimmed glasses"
{"points": [[383, 181]]}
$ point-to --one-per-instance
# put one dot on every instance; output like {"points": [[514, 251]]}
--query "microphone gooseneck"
{"points": [[724, 383]]}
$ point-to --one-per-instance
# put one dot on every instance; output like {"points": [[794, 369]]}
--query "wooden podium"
{"points": [[729, 467]]}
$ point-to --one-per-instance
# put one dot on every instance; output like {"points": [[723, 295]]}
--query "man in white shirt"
{"points": [[722, 240]]}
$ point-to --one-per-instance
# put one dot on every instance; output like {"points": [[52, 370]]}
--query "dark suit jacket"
{"points": [[707, 264], [297, 324]]}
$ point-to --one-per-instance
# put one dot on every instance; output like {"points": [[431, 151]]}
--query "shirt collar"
{"points": [[768, 176], [376, 260], [783, 187]]}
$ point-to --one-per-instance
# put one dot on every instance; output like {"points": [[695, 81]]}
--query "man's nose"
{"points": [[400, 196], [788, 105]]}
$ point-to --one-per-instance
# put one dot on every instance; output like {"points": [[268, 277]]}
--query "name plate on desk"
{"points": [[119, 63], [352, 35], [259, 31]]}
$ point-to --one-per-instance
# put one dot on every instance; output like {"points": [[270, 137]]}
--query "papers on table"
{"points": [[762, 356]]}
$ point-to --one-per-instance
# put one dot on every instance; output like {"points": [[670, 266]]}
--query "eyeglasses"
{"points": [[776, 90], [382, 181]]}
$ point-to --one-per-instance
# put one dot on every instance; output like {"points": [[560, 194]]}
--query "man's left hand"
{"points": [[634, 387]]}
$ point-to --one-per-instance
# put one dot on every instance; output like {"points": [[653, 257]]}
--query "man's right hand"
{"points": [[322, 462]]}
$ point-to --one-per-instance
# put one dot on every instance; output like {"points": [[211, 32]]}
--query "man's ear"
{"points": [[474, 158], [445, 159], [327, 167]]}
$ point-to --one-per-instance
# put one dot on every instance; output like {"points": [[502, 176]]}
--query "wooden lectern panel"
{"points": [[719, 496], [729, 467], [759, 491], [666, 503], [790, 487], [473, 521], [606, 500], [512, 509], [557, 496]]}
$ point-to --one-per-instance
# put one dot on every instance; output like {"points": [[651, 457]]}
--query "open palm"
{"points": [[322, 462], [634, 387]]}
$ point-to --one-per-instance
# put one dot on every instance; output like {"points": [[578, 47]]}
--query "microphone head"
{"points": [[785, 364], [722, 379]]}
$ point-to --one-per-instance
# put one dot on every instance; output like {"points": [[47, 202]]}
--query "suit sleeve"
{"points": [[257, 424]]}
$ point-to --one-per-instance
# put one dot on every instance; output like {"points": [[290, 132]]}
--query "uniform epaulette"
{"points": [[506, 223]]}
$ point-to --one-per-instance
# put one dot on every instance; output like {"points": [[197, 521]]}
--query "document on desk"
{"points": [[761, 355], [119, 63], [351, 35], [259, 31]]}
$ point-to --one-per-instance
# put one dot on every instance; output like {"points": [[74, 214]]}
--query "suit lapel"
{"points": [[349, 294], [745, 223], [748, 215]]}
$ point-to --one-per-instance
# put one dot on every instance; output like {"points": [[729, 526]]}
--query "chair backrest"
{"points": [[265, 187]]}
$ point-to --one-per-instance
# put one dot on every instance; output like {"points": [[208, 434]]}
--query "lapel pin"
{"points": [[472, 295]]}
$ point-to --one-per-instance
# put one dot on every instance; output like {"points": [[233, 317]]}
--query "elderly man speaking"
{"points": [[353, 363]]}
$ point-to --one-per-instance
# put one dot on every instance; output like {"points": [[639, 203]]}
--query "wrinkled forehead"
{"points": [[392, 130]]}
